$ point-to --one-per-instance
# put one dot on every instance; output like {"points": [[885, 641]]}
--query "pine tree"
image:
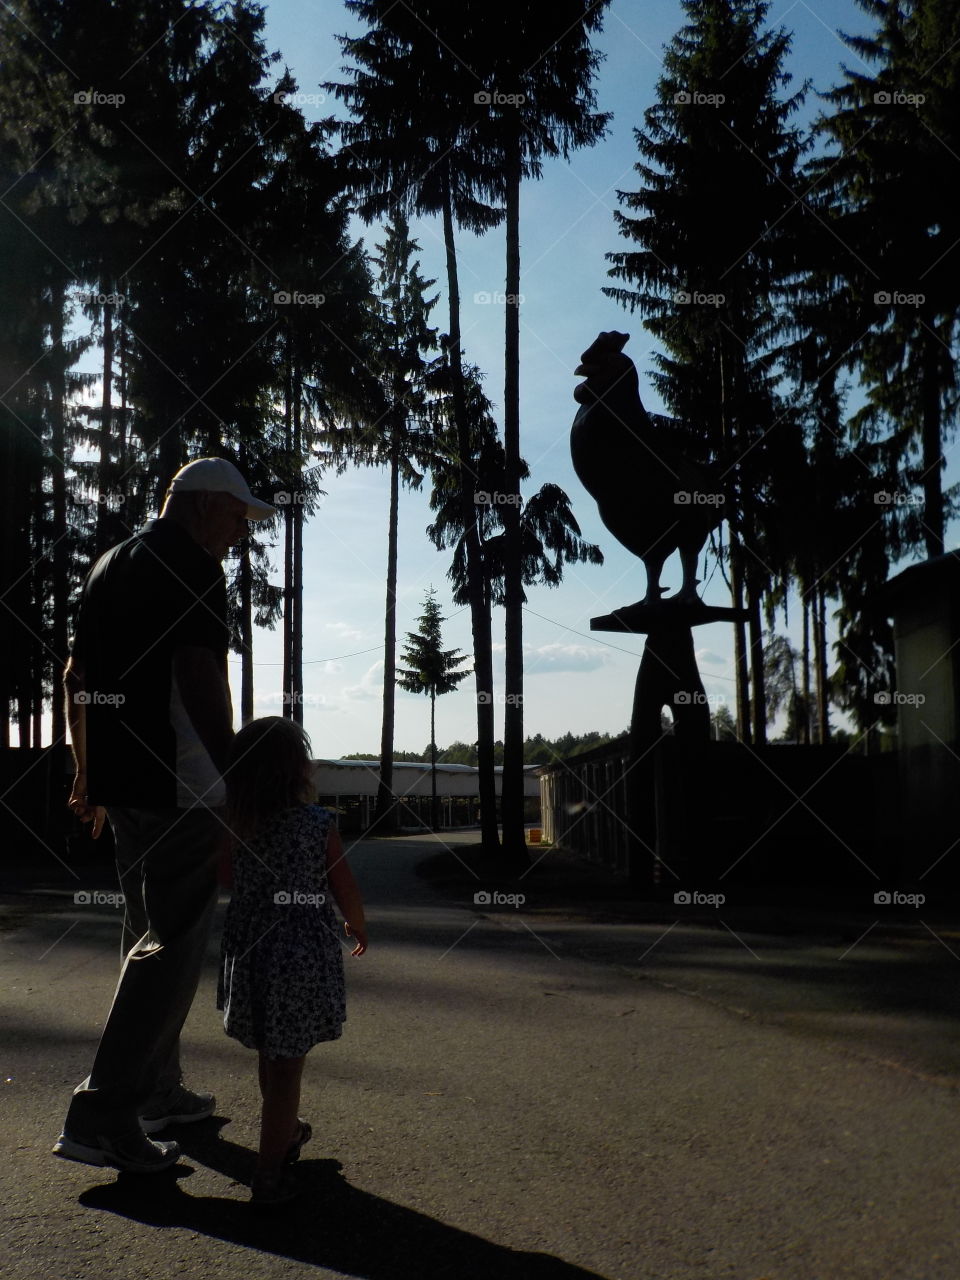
{"points": [[412, 144], [716, 221], [397, 433], [431, 670], [896, 226], [537, 67]]}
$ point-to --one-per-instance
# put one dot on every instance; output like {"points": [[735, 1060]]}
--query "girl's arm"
{"points": [[345, 892]]}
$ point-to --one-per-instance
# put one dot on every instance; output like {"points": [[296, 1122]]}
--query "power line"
{"points": [[596, 640]]}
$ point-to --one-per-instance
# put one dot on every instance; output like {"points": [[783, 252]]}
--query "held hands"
{"points": [[359, 932], [77, 804]]}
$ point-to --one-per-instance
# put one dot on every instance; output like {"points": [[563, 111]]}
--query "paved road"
{"points": [[517, 1094]]}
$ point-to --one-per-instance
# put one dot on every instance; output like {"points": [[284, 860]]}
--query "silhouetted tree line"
{"points": [[168, 212]]}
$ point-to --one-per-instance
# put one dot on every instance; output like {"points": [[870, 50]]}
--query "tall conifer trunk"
{"points": [[287, 535], [246, 617], [296, 659], [479, 616], [383, 814], [60, 585], [932, 444], [511, 803], [820, 650], [105, 470]]}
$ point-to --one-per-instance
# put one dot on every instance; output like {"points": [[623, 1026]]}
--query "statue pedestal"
{"points": [[641, 619], [668, 677], [924, 602]]}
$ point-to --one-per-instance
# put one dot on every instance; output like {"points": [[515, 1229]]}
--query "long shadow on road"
{"points": [[332, 1225]]}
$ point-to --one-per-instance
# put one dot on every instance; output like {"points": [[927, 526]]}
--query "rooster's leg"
{"points": [[654, 567], [688, 591]]}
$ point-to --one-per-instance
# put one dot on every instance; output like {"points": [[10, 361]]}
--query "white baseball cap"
{"points": [[219, 475]]}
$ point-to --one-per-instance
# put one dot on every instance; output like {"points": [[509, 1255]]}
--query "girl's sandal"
{"points": [[304, 1134], [270, 1189]]}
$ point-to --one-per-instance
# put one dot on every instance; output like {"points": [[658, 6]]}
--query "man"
{"points": [[148, 705]]}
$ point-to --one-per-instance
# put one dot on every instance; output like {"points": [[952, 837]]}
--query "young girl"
{"points": [[281, 982]]}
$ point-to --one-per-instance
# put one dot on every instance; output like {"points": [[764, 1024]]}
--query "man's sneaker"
{"points": [[131, 1154], [181, 1107], [267, 1190]]}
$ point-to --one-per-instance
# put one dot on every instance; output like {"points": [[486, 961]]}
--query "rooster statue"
{"points": [[651, 498]]}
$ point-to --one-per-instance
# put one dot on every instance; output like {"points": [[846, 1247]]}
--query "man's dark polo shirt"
{"points": [[143, 599]]}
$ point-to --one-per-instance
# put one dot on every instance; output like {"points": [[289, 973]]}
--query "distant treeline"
{"points": [[536, 750]]}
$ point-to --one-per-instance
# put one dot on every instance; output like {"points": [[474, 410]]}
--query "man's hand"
{"points": [[77, 804], [359, 934]]}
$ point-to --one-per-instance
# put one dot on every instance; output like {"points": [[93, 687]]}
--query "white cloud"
{"points": [[708, 655], [549, 658], [344, 632], [370, 686]]}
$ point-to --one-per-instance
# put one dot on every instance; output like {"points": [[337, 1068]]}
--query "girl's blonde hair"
{"points": [[268, 771]]}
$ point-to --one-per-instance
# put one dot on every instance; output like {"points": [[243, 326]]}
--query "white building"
{"points": [[350, 788]]}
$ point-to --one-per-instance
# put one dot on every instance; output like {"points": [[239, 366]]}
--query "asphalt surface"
{"points": [[521, 1091]]}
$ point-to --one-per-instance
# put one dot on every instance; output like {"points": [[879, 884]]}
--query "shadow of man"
{"points": [[331, 1224]]}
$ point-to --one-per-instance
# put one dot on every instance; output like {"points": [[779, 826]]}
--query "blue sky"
{"points": [[575, 680]]}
